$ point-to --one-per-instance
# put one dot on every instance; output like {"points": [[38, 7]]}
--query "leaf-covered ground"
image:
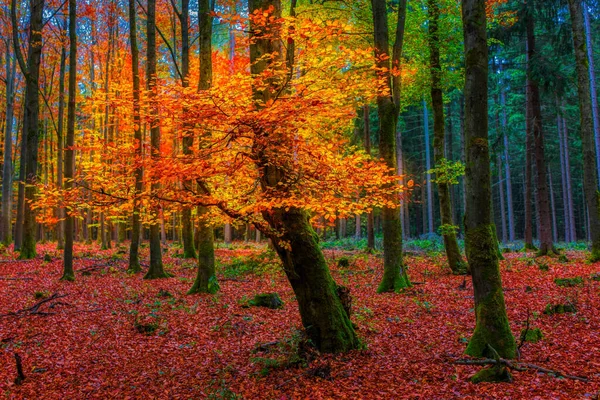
{"points": [[114, 335]]}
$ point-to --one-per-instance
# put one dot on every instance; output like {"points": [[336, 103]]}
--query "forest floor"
{"points": [[113, 335]]}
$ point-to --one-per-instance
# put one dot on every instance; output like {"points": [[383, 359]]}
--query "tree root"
{"points": [[519, 366]]}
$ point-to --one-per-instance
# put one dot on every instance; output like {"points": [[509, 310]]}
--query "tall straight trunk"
{"points": [[60, 227], [31, 71], [507, 173], [327, 323], [400, 171], [543, 197], [569, 181], [590, 173], [502, 200], [492, 328], [156, 269], [357, 227], [68, 273], [463, 153], [552, 208], [7, 167], [427, 168], [528, 231], [370, 217], [134, 257], [563, 180], [455, 260], [395, 277], [206, 281], [593, 91]]}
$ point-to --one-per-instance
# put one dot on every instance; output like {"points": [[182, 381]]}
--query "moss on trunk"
{"points": [[206, 280], [156, 270], [327, 323]]}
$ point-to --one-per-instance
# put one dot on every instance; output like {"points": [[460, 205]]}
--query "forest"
{"points": [[281, 199]]}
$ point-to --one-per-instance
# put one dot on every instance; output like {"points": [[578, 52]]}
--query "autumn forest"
{"points": [[281, 199]]}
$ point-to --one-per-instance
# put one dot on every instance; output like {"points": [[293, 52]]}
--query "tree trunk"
{"points": [[590, 174], [206, 281], [370, 218], [569, 182], [5, 222], [528, 231], [326, 322], [60, 227], [428, 168], [31, 71], [395, 277], [134, 258], [492, 327], [68, 273], [593, 92], [552, 208], [455, 260], [156, 269], [502, 200], [507, 173], [563, 179], [543, 198]]}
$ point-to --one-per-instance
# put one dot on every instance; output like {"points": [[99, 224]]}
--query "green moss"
{"points": [[559, 309], [47, 258], [569, 282], [595, 276], [492, 374], [268, 300], [68, 276], [530, 246], [563, 258], [594, 256], [343, 262], [532, 335], [543, 266]]}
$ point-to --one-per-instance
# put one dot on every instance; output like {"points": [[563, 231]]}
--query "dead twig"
{"points": [[20, 375], [15, 279], [35, 309]]}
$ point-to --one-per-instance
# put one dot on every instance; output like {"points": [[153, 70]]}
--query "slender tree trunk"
{"points": [[563, 179], [134, 258], [552, 208], [502, 200], [60, 227], [569, 182], [156, 269], [543, 198], [7, 167], [370, 217], [509, 196], [492, 327], [68, 273], [590, 173], [427, 168], [395, 277], [206, 281], [31, 72], [327, 323], [528, 231], [593, 92], [455, 260]]}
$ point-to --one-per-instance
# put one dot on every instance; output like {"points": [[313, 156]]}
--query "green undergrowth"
{"points": [[263, 263]]}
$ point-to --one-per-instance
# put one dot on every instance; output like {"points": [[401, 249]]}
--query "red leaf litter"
{"points": [[88, 344]]}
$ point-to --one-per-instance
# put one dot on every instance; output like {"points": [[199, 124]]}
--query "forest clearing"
{"points": [[281, 199]]}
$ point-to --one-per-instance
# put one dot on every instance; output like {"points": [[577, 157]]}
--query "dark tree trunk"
{"points": [[455, 260], [68, 273], [569, 181], [5, 222], [528, 231], [60, 227], [492, 327], [156, 269], [593, 92], [590, 175], [30, 137], [543, 198], [509, 196], [206, 281], [326, 322], [134, 257], [428, 168], [395, 277]]}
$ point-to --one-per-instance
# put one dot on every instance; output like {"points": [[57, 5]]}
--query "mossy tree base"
{"points": [[496, 373], [27, 253], [326, 322], [395, 277], [68, 276], [157, 275], [134, 267], [206, 280], [594, 256]]}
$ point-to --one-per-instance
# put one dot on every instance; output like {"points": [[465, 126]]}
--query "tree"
{"points": [[5, 222], [206, 281], [30, 137], [590, 176], [327, 323], [68, 273], [492, 329], [395, 277], [443, 169], [156, 269], [134, 258]]}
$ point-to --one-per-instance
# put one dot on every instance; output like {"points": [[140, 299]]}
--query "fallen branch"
{"points": [[518, 366], [15, 279], [20, 375], [35, 309]]}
